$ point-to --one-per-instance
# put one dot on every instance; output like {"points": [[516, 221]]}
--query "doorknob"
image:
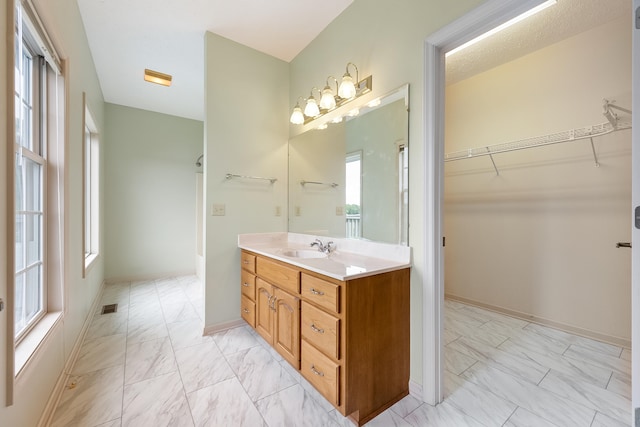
{"points": [[623, 245]]}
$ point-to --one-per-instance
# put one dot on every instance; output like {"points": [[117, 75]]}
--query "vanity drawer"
{"points": [[279, 275], [248, 285], [321, 329], [248, 262], [322, 372], [248, 310], [321, 292]]}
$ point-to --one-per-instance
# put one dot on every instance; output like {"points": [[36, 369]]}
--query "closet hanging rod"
{"points": [[332, 184], [537, 141], [231, 176]]}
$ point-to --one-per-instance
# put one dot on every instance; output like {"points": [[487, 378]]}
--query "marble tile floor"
{"points": [[149, 365]]}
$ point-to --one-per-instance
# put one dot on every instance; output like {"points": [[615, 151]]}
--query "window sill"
{"points": [[89, 262], [30, 344]]}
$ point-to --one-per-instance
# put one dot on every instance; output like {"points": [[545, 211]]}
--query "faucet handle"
{"points": [[329, 248]]}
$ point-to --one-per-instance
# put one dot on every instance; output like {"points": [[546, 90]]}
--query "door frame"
{"points": [[486, 16], [635, 203]]}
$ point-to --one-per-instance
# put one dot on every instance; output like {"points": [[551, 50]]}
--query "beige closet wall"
{"points": [[539, 239]]}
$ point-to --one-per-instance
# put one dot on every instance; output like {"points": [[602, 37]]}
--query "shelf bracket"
{"points": [[593, 150], [493, 161]]}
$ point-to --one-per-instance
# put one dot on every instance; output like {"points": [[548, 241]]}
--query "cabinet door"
{"points": [[264, 318], [286, 331]]}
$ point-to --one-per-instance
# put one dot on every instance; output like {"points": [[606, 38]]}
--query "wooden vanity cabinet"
{"points": [[278, 319], [248, 288], [349, 339]]}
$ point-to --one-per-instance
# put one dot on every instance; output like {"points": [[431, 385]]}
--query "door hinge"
{"points": [[444, 241], [1, 304]]}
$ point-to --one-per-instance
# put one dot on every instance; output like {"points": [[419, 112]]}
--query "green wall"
{"points": [[150, 192]]}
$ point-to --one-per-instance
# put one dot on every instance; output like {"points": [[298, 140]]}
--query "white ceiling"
{"points": [[564, 19], [126, 36]]}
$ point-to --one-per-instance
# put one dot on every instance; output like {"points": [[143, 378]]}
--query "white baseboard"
{"points": [[219, 327], [620, 342], [145, 277], [56, 394], [415, 390]]}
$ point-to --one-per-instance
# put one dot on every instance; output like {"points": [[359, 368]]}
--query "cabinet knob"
{"points": [[245, 262], [245, 310], [313, 291], [315, 371], [246, 285], [316, 329]]}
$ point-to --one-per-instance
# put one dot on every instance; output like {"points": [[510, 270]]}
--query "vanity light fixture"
{"points": [[312, 109], [328, 100], [507, 24], [348, 90], [157, 77], [297, 117]]}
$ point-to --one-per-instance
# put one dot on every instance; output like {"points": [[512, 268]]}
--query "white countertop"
{"points": [[351, 259]]}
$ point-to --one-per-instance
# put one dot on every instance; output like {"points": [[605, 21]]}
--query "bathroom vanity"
{"points": [[341, 319]]}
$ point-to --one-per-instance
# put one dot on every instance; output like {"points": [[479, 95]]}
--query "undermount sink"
{"points": [[303, 253]]}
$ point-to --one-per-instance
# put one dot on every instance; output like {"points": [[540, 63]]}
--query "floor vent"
{"points": [[109, 308]]}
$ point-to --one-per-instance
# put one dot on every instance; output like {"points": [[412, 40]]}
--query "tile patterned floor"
{"points": [[148, 365]]}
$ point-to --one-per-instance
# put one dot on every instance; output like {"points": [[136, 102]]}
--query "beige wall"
{"points": [[35, 383], [246, 103], [540, 238], [386, 41], [150, 193]]}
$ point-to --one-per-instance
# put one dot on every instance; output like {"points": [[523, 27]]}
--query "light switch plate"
{"points": [[278, 211], [296, 210], [218, 210], [339, 211]]}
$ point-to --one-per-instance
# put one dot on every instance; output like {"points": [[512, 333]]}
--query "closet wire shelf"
{"points": [[589, 132]]}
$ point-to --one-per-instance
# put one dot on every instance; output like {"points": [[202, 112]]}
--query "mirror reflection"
{"points": [[351, 179]]}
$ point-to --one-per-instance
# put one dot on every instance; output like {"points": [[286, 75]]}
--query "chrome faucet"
{"points": [[326, 249]]}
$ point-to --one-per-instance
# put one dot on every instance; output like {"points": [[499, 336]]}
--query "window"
{"points": [[38, 188], [30, 172], [353, 198], [91, 189], [403, 191]]}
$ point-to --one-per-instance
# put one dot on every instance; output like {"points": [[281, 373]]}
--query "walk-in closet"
{"points": [[537, 202]]}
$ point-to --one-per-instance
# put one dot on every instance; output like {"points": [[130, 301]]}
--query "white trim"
{"points": [[220, 327], [481, 19], [635, 233], [415, 390], [56, 393]]}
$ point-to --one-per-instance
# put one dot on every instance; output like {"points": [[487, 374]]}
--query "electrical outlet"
{"points": [[218, 210], [339, 211], [278, 211], [296, 211]]}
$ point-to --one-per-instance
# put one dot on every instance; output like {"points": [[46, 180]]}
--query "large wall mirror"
{"points": [[351, 179]]}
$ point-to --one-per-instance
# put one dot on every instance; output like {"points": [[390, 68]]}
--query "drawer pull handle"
{"points": [[246, 285], [244, 261], [315, 371], [245, 310], [313, 291], [315, 329]]}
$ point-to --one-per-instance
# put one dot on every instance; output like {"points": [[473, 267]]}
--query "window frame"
{"points": [[35, 152], [90, 189]]}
